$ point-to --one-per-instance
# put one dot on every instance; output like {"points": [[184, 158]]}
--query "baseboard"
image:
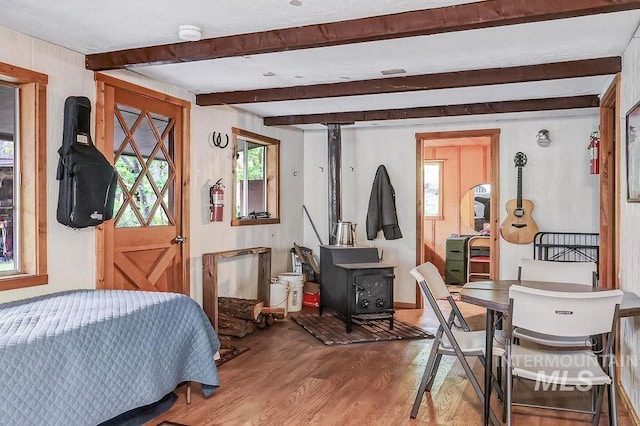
{"points": [[627, 404], [404, 305]]}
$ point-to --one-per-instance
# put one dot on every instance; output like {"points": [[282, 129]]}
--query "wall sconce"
{"points": [[543, 138]]}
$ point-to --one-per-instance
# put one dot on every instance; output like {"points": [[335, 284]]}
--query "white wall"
{"points": [[555, 178], [71, 253], [629, 232]]}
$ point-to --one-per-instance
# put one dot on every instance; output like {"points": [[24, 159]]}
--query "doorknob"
{"points": [[179, 239]]}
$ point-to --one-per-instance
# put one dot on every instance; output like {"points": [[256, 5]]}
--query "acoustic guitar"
{"points": [[519, 227]]}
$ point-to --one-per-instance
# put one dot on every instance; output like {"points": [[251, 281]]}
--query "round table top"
{"points": [[494, 295]]}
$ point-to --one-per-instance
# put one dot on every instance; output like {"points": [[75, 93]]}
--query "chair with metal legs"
{"points": [[450, 339], [562, 315], [584, 273]]}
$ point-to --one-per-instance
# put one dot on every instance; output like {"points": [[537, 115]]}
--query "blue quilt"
{"points": [[82, 357]]}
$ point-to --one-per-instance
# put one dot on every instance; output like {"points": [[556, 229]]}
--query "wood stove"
{"points": [[355, 284]]}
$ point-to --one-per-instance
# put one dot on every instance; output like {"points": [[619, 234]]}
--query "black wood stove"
{"points": [[355, 284]]}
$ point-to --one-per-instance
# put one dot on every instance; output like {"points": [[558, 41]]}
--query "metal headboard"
{"points": [[566, 246]]}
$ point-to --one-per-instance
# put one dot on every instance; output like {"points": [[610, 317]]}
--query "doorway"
{"points": [[145, 246], [457, 188]]}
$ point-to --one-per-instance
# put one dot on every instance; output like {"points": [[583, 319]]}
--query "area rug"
{"points": [[331, 330], [228, 352]]}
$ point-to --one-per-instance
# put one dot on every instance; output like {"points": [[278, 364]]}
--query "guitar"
{"points": [[519, 227]]}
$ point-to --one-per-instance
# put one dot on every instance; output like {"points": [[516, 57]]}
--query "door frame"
{"points": [[435, 137], [104, 240], [610, 146]]}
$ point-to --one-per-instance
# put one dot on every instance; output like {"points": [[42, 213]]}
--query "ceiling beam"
{"points": [[447, 80], [485, 14], [545, 104]]}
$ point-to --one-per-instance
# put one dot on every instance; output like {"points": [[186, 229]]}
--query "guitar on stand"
{"points": [[519, 227]]}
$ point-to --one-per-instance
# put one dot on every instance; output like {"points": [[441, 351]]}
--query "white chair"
{"points": [[563, 272], [584, 273], [564, 315], [449, 339]]}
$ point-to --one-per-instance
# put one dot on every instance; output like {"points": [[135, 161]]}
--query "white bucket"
{"points": [[279, 295], [296, 285]]}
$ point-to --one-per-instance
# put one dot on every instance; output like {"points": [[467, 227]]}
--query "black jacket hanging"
{"points": [[381, 214]]}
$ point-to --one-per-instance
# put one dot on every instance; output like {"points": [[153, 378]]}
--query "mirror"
{"points": [[475, 207]]}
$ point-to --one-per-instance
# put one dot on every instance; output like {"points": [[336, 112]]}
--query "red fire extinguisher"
{"points": [[216, 199], [594, 154]]}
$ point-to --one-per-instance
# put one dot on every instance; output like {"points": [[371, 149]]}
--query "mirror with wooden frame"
{"points": [[256, 180]]}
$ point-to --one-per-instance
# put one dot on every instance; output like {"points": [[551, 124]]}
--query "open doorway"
{"points": [[457, 188]]}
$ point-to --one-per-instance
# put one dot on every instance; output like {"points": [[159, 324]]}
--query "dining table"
{"points": [[494, 296]]}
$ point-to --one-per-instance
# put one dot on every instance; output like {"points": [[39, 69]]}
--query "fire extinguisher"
{"points": [[216, 199], [594, 154]]}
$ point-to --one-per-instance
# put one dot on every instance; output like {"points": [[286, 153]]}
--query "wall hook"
{"points": [[321, 168]]}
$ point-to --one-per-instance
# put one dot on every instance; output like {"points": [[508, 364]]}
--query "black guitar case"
{"points": [[87, 179]]}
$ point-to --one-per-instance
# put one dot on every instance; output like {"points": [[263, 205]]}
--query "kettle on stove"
{"points": [[345, 234]]}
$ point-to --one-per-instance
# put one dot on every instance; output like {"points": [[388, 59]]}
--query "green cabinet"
{"points": [[456, 260]]}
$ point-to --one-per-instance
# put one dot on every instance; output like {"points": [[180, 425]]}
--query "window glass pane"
{"points": [[143, 159], [8, 202], [251, 190], [432, 199]]}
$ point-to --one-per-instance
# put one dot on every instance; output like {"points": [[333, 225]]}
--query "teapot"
{"points": [[345, 234]]}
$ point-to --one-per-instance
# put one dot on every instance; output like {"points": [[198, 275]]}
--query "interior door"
{"points": [[144, 245]]}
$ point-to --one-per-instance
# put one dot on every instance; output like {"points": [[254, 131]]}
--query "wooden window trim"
{"points": [[32, 87], [273, 178]]}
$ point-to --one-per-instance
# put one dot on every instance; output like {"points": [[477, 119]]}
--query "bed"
{"points": [[85, 356]]}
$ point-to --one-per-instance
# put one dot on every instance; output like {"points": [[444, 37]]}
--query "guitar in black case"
{"points": [[87, 180]]}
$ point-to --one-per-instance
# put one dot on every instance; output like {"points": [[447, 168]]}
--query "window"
{"points": [[432, 193], [23, 226], [143, 156], [256, 179]]}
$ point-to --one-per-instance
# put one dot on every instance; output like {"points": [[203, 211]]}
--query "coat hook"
{"points": [[352, 169], [321, 168]]}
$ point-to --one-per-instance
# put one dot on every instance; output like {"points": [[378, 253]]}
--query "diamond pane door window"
{"points": [[143, 150]]}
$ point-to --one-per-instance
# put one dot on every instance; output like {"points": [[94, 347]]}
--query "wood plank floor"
{"points": [[290, 378]]}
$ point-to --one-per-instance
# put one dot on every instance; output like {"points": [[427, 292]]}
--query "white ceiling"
{"points": [[90, 27]]}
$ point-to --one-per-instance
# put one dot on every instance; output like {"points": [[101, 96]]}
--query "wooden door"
{"points": [[143, 246]]}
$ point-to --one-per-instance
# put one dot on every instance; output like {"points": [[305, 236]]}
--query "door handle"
{"points": [[179, 239]]}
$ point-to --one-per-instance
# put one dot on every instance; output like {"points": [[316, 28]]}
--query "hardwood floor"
{"points": [[290, 378]]}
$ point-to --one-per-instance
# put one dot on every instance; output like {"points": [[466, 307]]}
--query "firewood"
{"points": [[275, 312], [232, 326], [247, 309]]}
